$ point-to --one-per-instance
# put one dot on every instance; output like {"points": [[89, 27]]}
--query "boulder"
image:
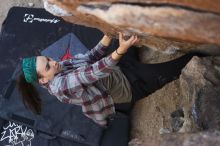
{"points": [[200, 91], [165, 25], [196, 93]]}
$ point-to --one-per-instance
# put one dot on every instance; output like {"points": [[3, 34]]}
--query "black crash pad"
{"points": [[27, 32]]}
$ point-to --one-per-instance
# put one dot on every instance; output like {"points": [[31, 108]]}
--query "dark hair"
{"points": [[30, 96]]}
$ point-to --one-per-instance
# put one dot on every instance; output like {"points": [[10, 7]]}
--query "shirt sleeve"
{"points": [[96, 71], [72, 82], [97, 52]]}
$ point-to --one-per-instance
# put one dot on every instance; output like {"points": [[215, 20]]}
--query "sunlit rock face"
{"points": [[164, 25]]}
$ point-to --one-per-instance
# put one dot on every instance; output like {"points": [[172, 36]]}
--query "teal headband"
{"points": [[29, 69]]}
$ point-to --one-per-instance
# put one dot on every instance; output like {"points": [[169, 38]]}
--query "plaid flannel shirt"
{"points": [[79, 83]]}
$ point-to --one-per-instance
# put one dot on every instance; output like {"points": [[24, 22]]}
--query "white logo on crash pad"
{"points": [[30, 18], [15, 134]]}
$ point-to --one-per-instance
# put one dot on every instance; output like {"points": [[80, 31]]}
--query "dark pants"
{"points": [[147, 78]]}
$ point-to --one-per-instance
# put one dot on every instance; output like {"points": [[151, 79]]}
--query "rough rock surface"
{"points": [[167, 26], [208, 138], [200, 91]]}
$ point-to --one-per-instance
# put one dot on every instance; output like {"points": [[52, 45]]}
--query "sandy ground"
{"points": [[149, 114], [153, 112]]}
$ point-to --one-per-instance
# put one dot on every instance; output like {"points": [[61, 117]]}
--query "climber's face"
{"points": [[47, 68]]}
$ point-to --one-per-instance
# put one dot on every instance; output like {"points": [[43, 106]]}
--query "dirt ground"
{"points": [[149, 114], [153, 112]]}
